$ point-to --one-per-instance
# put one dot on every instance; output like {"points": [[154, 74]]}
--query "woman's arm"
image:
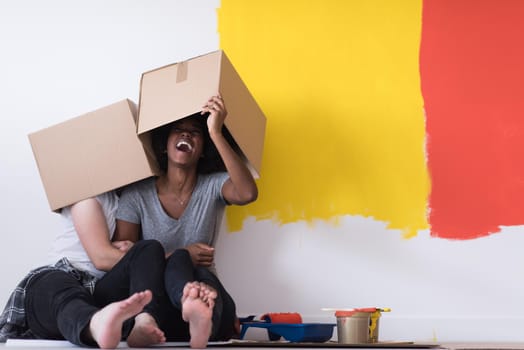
{"points": [[126, 231], [91, 226], [240, 188]]}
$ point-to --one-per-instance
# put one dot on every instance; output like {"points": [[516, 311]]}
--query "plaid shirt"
{"points": [[12, 320]]}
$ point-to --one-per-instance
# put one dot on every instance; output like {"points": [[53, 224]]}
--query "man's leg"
{"points": [[59, 307]]}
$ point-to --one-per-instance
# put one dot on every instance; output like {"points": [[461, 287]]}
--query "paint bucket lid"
{"points": [[352, 312]]}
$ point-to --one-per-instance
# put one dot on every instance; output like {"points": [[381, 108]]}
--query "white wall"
{"points": [[63, 58], [439, 290]]}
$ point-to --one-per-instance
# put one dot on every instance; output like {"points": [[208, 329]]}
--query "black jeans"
{"points": [[141, 268], [59, 307], [179, 271]]}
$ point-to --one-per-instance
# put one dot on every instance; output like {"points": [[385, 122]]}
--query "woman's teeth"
{"points": [[184, 146]]}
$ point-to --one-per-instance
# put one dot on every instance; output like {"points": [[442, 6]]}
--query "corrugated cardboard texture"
{"points": [[90, 154], [176, 91]]}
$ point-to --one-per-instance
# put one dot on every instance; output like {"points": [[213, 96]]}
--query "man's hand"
{"points": [[123, 246]]}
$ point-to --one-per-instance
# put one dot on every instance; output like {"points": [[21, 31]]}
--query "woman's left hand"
{"points": [[217, 113], [201, 254]]}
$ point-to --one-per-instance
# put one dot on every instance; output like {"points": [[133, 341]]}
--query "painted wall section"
{"points": [[339, 83], [472, 69]]}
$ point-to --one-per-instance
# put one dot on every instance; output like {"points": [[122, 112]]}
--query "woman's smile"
{"points": [[184, 146]]}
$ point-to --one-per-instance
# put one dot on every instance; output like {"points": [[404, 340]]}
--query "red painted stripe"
{"points": [[472, 76]]}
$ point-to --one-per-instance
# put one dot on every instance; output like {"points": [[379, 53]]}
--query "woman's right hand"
{"points": [[201, 254]]}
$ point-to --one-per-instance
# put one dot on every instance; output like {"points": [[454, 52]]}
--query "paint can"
{"points": [[353, 326]]}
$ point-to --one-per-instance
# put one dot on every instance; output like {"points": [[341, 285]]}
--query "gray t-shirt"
{"points": [[200, 222]]}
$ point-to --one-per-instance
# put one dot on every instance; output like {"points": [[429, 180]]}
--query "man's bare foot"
{"points": [[106, 324], [198, 312], [145, 332]]}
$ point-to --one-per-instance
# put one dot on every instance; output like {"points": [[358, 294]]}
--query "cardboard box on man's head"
{"points": [[179, 90], [90, 154]]}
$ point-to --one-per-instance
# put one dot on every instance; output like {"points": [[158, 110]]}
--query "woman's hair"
{"points": [[210, 162]]}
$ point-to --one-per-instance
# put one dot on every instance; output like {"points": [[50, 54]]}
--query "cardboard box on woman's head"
{"points": [[179, 90], [90, 154], [107, 148]]}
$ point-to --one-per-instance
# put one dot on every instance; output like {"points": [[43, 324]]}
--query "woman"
{"points": [[98, 292], [183, 209]]}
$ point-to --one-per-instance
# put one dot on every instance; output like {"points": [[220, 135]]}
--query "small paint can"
{"points": [[353, 326]]}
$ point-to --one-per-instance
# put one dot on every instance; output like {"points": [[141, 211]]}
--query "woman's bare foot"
{"points": [[145, 332], [198, 301], [106, 324], [207, 294], [188, 288]]}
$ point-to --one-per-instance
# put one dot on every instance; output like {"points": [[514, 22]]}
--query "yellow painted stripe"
{"points": [[339, 83]]}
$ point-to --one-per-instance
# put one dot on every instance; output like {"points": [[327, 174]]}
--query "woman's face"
{"points": [[185, 143]]}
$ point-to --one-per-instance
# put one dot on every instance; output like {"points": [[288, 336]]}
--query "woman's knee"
{"points": [[150, 245], [181, 253], [179, 256]]}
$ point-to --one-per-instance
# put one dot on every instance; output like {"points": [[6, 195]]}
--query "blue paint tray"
{"points": [[293, 332]]}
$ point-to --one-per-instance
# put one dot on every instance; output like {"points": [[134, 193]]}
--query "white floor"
{"points": [[64, 345]]}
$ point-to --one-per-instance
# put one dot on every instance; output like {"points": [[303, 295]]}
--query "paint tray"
{"points": [[293, 332]]}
